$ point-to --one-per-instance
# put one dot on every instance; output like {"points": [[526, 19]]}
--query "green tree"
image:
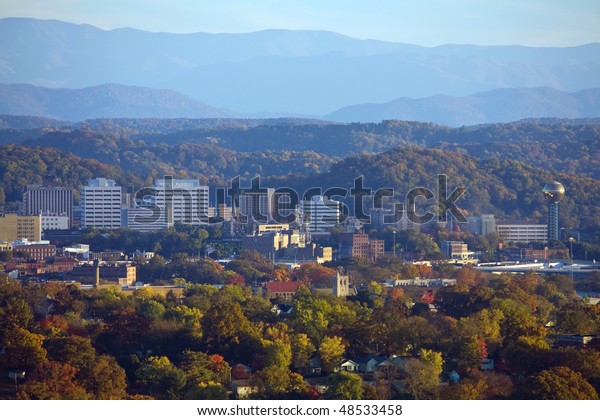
{"points": [[311, 315], [433, 358], [205, 368], [223, 326], [344, 386], [422, 379], [271, 382], [161, 377], [331, 351], [206, 391], [302, 350], [559, 383], [152, 310], [278, 353], [15, 313], [105, 379], [22, 350], [73, 350]]}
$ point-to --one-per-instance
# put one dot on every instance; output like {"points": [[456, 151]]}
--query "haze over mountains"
{"points": [[282, 72]]}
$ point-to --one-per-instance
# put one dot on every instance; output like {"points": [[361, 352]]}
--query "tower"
{"points": [[553, 192]]}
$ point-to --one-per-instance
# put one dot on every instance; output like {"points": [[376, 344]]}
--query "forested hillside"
{"points": [[503, 166]]}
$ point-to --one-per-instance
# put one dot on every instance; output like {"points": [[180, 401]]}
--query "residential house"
{"points": [[347, 365], [240, 372], [314, 367], [242, 389]]}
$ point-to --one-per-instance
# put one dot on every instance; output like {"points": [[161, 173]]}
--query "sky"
{"points": [[423, 22]]}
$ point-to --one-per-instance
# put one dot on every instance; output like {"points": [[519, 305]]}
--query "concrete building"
{"points": [[480, 225], [456, 250], [14, 227], [358, 245], [101, 204], [268, 244], [168, 202], [52, 222], [224, 212], [49, 201], [322, 214], [522, 232]]}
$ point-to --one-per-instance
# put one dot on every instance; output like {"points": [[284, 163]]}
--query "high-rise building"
{"points": [[49, 201], [480, 225], [14, 227], [553, 192], [321, 213], [168, 202], [101, 204]]}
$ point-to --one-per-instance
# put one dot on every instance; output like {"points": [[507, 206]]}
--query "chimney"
{"points": [[97, 272]]}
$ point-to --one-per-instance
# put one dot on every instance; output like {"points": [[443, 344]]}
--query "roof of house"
{"points": [[283, 287]]}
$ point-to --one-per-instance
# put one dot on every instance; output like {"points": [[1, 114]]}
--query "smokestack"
{"points": [[97, 272]]}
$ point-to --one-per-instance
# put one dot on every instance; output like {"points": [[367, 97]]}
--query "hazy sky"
{"points": [[423, 22]]}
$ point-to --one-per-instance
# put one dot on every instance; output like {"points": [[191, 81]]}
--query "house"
{"points": [[347, 365], [580, 341], [370, 363], [240, 372], [242, 389], [398, 362], [282, 309], [314, 367]]}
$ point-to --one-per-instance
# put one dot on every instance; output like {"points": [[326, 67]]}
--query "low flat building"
{"points": [[123, 274], [420, 282], [38, 252]]}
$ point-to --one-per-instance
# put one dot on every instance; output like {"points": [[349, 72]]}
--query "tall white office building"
{"points": [[101, 204], [168, 202], [321, 212]]}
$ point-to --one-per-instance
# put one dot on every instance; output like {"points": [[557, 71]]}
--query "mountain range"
{"points": [[495, 106], [118, 101], [103, 101], [278, 72]]}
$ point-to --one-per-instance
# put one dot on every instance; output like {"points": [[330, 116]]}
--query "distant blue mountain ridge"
{"points": [[284, 72], [118, 101]]}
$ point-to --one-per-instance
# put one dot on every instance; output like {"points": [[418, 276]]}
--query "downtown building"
{"points": [[167, 202], [520, 232], [320, 214], [54, 202], [358, 245], [101, 204]]}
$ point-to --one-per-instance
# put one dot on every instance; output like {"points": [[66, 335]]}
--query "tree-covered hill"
{"points": [[508, 188], [503, 166]]}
